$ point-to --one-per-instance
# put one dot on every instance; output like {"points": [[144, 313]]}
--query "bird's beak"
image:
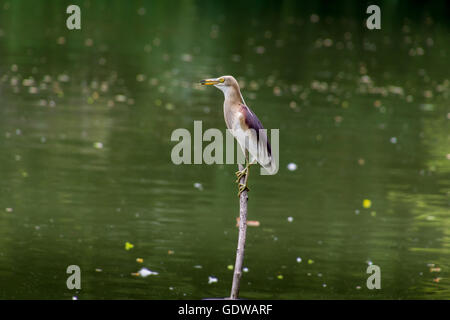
{"points": [[209, 82]]}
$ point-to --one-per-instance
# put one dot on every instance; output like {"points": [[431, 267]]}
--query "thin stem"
{"points": [[243, 199]]}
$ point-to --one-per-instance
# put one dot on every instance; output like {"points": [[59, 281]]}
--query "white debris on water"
{"points": [[212, 280], [144, 272], [120, 98], [63, 78], [198, 186], [292, 166], [98, 145]]}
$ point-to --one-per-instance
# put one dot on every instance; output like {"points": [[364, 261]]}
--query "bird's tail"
{"points": [[270, 167], [266, 158]]}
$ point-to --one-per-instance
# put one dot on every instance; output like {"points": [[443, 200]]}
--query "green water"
{"points": [[85, 124]]}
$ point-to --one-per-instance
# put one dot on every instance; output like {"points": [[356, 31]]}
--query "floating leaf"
{"points": [[128, 246], [367, 203]]}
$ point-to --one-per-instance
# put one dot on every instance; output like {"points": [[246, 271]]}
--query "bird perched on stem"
{"points": [[245, 126]]}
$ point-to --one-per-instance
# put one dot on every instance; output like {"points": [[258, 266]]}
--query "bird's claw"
{"points": [[240, 174], [242, 188]]}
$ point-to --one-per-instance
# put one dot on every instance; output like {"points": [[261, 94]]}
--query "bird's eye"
{"points": [[222, 80]]}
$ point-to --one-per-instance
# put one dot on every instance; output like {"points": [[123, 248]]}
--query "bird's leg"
{"points": [[243, 172], [244, 186]]}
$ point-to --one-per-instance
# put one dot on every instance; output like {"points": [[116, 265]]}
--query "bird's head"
{"points": [[223, 83]]}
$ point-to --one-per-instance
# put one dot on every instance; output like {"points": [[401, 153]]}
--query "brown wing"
{"points": [[252, 122]]}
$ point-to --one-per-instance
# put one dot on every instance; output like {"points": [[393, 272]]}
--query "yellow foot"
{"points": [[242, 188], [241, 173]]}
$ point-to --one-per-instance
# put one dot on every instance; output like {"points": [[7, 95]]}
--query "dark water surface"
{"points": [[85, 124]]}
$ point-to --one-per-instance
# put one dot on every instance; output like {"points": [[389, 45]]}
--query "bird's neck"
{"points": [[232, 96]]}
